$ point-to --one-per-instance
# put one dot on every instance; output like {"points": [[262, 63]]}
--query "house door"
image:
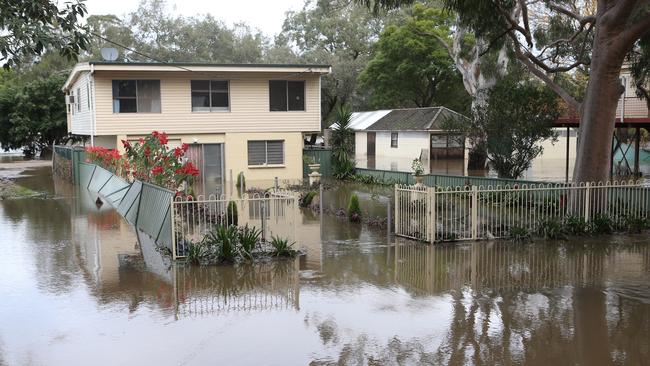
{"points": [[371, 144], [209, 159]]}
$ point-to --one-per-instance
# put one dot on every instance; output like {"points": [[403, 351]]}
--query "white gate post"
{"points": [[587, 201], [398, 229], [474, 212], [432, 214]]}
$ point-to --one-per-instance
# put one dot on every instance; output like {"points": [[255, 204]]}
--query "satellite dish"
{"points": [[109, 54]]}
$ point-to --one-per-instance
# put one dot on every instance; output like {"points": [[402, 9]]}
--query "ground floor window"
{"points": [[266, 152], [393, 139]]}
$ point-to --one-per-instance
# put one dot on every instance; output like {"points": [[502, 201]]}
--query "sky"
{"points": [[265, 15]]}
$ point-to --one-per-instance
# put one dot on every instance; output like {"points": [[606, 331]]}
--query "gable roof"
{"points": [[411, 119]]}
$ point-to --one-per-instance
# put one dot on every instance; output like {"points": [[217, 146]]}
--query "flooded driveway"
{"points": [[72, 293]]}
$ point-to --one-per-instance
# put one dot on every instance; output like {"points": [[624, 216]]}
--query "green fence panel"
{"points": [[99, 179], [114, 189], [86, 172], [320, 156], [155, 205], [128, 207]]}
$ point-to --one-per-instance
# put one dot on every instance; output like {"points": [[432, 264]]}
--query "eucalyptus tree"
{"points": [[552, 37], [408, 68]]}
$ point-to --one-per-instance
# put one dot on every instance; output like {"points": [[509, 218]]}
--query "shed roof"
{"points": [[412, 119]]}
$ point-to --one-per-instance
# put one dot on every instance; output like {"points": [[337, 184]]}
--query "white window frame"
{"points": [[136, 96], [266, 154], [396, 140], [304, 96]]}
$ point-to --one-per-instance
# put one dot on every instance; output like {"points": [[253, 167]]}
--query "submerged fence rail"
{"points": [[485, 212], [274, 213]]}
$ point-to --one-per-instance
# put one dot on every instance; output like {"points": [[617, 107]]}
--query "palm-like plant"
{"points": [[343, 143]]}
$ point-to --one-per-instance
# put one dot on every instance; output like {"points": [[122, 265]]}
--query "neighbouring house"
{"points": [[248, 118], [391, 139]]}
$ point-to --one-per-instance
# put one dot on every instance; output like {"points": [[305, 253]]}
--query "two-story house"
{"points": [[235, 117]]}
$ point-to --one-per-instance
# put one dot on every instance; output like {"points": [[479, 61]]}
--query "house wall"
{"points": [[409, 144], [634, 107], [80, 121], [249, 105]]}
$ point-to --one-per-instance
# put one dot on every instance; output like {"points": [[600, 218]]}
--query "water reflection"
{"points": [[75, 291]]}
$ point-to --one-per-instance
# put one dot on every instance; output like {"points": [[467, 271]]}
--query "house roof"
{"points": [[412, 119], [191, 67]]}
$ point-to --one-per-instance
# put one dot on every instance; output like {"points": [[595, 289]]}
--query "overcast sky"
{"points": [[266, 15]]}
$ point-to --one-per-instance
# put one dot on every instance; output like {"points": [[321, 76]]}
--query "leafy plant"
{"points": [[519, 234], [601, 224], [575, 225], [634, 224], [195, 253], [241, 182], [282, 248], [342, 143], [551, 229], [222, 242], [232, 217], [248, 239], [354, 209], [418, 168], [307, 198]]}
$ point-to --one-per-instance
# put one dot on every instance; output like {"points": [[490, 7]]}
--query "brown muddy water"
{"points": [[69, 295]]}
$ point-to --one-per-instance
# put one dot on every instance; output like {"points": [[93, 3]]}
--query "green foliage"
{"points": [[518, 117], [601, 224], [575, 225], [307, 198], [232, 217], [222, 243], [241, 182], [633, 224], [342, 144], [411, 67], [519, 234], [30, 28], [248, 239], [195, 253], [551, 229], [282, 248], [354, 209]]}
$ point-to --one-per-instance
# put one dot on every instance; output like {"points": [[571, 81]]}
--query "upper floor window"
{"points": [[136, 96], [393, 139], [210, 95], [266, 152], [287, 95], [79, 99]]}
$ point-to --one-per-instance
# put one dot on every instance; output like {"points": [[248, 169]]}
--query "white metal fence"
{"points": [[477, 212], [274, 213]]}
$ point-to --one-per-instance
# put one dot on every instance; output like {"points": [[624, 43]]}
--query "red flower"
{"points": [[163, 138], [154, 134], [157, 170], [147, 151], [141, 141], [185, 147], [190, 169], [178, 152], [126, 144]]}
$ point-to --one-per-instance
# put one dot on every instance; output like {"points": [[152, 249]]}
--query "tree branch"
{"points": [[636, 30], [582, 19]]}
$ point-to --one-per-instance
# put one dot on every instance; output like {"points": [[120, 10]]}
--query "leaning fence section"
{"points": [[274, 213], [485, 212]]}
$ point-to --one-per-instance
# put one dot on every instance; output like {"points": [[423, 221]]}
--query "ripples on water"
{"points": [[70, 295]]}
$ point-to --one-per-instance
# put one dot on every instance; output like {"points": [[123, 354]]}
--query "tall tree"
{"points": [[410, 68], [640, 69], [551, 37], [339, 33], [29, 28]]}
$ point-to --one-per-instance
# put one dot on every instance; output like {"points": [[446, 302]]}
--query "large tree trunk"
{"points": [[599, 109]]}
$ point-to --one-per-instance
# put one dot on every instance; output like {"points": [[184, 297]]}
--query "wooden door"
{"points": [[371, 144]]}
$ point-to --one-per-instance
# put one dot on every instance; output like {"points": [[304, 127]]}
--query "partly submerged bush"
{"points": [[551, 229], [248, 239], [222, 244], [601, 224], [282, 248], [307, 198], [231, 214], [195, 253], [518, 234], [634, 224], [354, 209], [575, 225]]}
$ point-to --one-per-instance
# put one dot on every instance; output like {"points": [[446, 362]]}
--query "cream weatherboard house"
{"points": [[235, 117]]}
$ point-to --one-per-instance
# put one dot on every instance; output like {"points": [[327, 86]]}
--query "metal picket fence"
{"points": [[479, 212], [274, 213]]}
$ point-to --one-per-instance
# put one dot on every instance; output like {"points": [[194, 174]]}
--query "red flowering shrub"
{"points": [[149, 160]]}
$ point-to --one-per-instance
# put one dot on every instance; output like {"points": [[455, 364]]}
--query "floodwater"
{"points": [[72, 293]]}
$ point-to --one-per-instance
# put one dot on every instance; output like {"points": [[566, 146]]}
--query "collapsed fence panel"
{"points": [[479, 212], [153, 211]]}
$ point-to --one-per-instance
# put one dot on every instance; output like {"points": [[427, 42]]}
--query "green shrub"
{"points": [[248, 239], [231, 214], [307, 198], [222, 243], [241, 180], [575, 225], [195, 253], [634, 224], [354, 209], [550, 229], [282, 248], [601, 224], [518, 234]]}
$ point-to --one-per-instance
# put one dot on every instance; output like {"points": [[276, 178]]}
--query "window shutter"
{"points": [[256, 152], [275, 152]]}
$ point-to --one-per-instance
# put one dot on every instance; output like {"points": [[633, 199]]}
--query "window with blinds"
{"points": [[266, 152], [136, 96]]}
